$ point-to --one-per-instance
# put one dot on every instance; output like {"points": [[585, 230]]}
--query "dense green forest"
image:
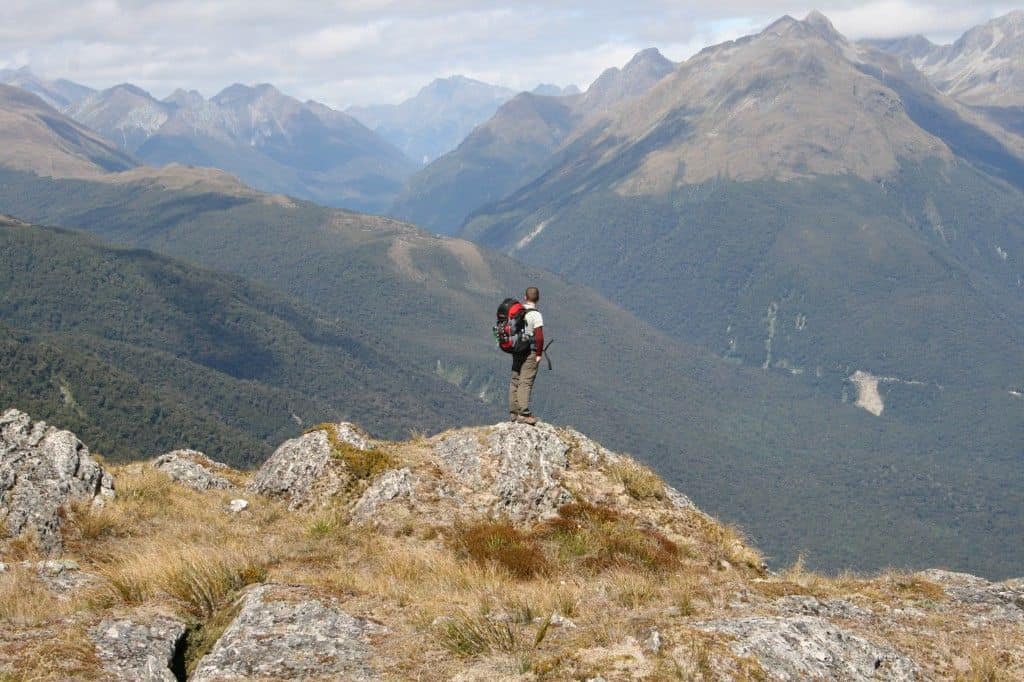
{"points": [[776, 452], [142, 353]]}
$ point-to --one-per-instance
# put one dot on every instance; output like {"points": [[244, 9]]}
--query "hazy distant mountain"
{"points": [[513, 146], [35, 137], [985, 67], [551, 90], [268, 139], [59, 93], [434, 121]]}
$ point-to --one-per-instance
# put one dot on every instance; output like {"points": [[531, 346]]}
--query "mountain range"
{"points": [[59, 94], [437, 118], [507, 150], [983, 68], [264, 137]]}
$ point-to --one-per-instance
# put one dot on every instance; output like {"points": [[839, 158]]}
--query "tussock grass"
{"points": [[199, 579], [503, 544], [600, 538], [639, 481], [89, 522], [473, 635], [987, 665], [725, 542], [58, 655], [24, 600]]}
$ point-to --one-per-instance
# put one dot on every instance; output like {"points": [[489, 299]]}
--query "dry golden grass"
{"points": [[479, 596], [986, 664], [599, 538], [639, 481], [25, 600], [198, 579], [57, 654]]}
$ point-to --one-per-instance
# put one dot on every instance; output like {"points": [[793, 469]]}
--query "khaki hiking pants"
{"points": [[524, 371]]}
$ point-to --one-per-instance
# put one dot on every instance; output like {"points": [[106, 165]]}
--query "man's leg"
{"points": [[513, 385], [526, 378]]}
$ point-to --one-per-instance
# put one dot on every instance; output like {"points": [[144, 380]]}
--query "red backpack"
{"points": [[510, 329]]}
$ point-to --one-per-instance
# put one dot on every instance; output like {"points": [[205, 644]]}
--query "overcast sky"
{"points": [[370, 51]]}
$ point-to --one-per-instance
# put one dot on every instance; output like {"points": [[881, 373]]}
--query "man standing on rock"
{"points": [[526, 364]]}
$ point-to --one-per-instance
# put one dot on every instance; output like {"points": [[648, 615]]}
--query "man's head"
{"points": [[532, 294]]}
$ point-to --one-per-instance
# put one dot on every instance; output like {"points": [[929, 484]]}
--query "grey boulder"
{"points": [[515, 471], [193, 469], [809, 648], [42, 470], [287, 633], [138, 649], [304, 470]]}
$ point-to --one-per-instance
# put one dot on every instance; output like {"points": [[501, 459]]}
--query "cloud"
{"points": [[363, 51]]}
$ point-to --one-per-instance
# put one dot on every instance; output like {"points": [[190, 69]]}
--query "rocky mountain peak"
{"points": [[238, 93], [59, 94], [186, 98], [815, 24], [616, 85], [823, 26]]}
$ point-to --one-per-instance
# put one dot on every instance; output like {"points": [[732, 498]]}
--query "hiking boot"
{"points": [[527, 419], [513, 417]]}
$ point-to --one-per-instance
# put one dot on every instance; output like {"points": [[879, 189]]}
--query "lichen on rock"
{"points": [[289, 633], [139, 648], [193, 469], [42, 471], [307, 471]]}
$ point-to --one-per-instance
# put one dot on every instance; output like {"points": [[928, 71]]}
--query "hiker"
{"points": [[526, 362]]}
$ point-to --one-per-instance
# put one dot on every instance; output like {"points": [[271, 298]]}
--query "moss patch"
{"points": [[364, 464]]}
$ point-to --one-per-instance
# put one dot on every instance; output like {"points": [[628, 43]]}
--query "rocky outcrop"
{"points": [[138, 649], [514, 471], [287, 633], [397, 484], [987, 601], [42, 470], [306, 470], [804, 605], [808, 648], [193, 469]]}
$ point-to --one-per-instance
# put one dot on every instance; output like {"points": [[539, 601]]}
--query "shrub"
{"points": [[501, 543]]}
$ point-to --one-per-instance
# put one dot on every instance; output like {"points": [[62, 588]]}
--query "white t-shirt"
{"points": [[533, 319]]}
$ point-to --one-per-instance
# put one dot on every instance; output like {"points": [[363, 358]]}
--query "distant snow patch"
{"points": [[533, 235], [1002, 253]]}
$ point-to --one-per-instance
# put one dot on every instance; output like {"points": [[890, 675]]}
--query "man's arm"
{"points": [[538, 341]]}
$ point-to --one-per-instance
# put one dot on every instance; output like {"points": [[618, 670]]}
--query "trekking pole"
{"points": [[546, 356]]}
